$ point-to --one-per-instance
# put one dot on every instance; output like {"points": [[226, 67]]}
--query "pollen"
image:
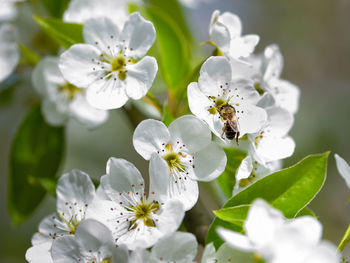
{"points": [[174, 162], [143, 211], [70, 90]]}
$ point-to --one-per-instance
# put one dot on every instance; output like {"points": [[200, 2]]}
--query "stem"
{"points": [[152, 100], [345, 240]]}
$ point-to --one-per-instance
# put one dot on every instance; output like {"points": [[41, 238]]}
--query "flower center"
{"points": [[173, 161], [107, 260], [143, 211], [70, 90], [118, 65], [218, 103], [72, 224]]}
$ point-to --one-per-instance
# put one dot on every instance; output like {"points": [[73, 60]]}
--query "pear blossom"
{"points": [[279, 240], [62, 100], [9, 54], [8, 10], [266, 70], [181, 247], [75, 191], [343, 168], [225, 31], [79, 11], [92, 242], [225, 254], [180, 155], [250, 171], [137, 220], [272, 142], [218, 86], [112, 66]]}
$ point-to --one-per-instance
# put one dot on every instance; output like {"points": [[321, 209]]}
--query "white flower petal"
{"points": [[228, 254], [250, 118], [219, 34], [52, 115], [280, 121], [343, 169], [190, 131], [65, 250], [76, 64], [324, 252], [208, 255], [286, 94], [149, 136], [139, 256], [9, 54], [103, 33], [140, 77], [39, 253], [76, 188], [209, 162], [181, 247], [309, 228], [198, 102], [107, 94], [245, 169], [79, 11], [93, 235], [232, 22], [242, 91], [138, 35], [215, 72], [262, 223], [273, 65], [86, 114], [122, 176], [234, 239], [166, 187], [273, 148]]}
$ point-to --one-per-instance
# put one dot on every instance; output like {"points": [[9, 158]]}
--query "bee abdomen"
{"points": [[230, 134]]}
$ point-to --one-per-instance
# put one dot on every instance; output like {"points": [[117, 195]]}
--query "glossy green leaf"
{"points": [[172, 46], [36, 154], [173, 9], [227, 179], [66, 34], [306, 212], [55, 7], [289, 190]]}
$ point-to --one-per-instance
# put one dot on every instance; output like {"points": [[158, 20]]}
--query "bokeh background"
{"points": [[314, 37]]}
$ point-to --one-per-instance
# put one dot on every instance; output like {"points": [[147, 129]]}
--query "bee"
{"points": [[230, 129]]}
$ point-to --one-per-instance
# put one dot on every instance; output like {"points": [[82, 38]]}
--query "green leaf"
{"points": [[306, 212], [36, 154], [29, 57], [173, 9], [7, 89], [172, 46], [234, 215], [167, 117], [289, 190], [55, 7], [66, 34], [227, 179]]}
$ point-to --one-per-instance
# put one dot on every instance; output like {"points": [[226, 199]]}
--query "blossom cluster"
{"points": [[240, 98]]}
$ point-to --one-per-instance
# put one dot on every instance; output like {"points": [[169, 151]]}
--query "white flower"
{"points": [[136, 219], [112, 65], [79, 11], [343, 169], [181, 247], [225, 31], [225, 254], [75, 192], [272, 142], [9, 54], [39, 253], [62, 100], [8, 10], [250, 171], [279, 240], [180, 155], [217, 87], [92, 242], [266, 71]]}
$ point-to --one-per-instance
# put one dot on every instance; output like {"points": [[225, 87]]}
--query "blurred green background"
{"points": [[314, 37]]}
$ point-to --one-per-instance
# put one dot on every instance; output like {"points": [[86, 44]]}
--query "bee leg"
{"points": [[237, 135], [223, 132]]}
